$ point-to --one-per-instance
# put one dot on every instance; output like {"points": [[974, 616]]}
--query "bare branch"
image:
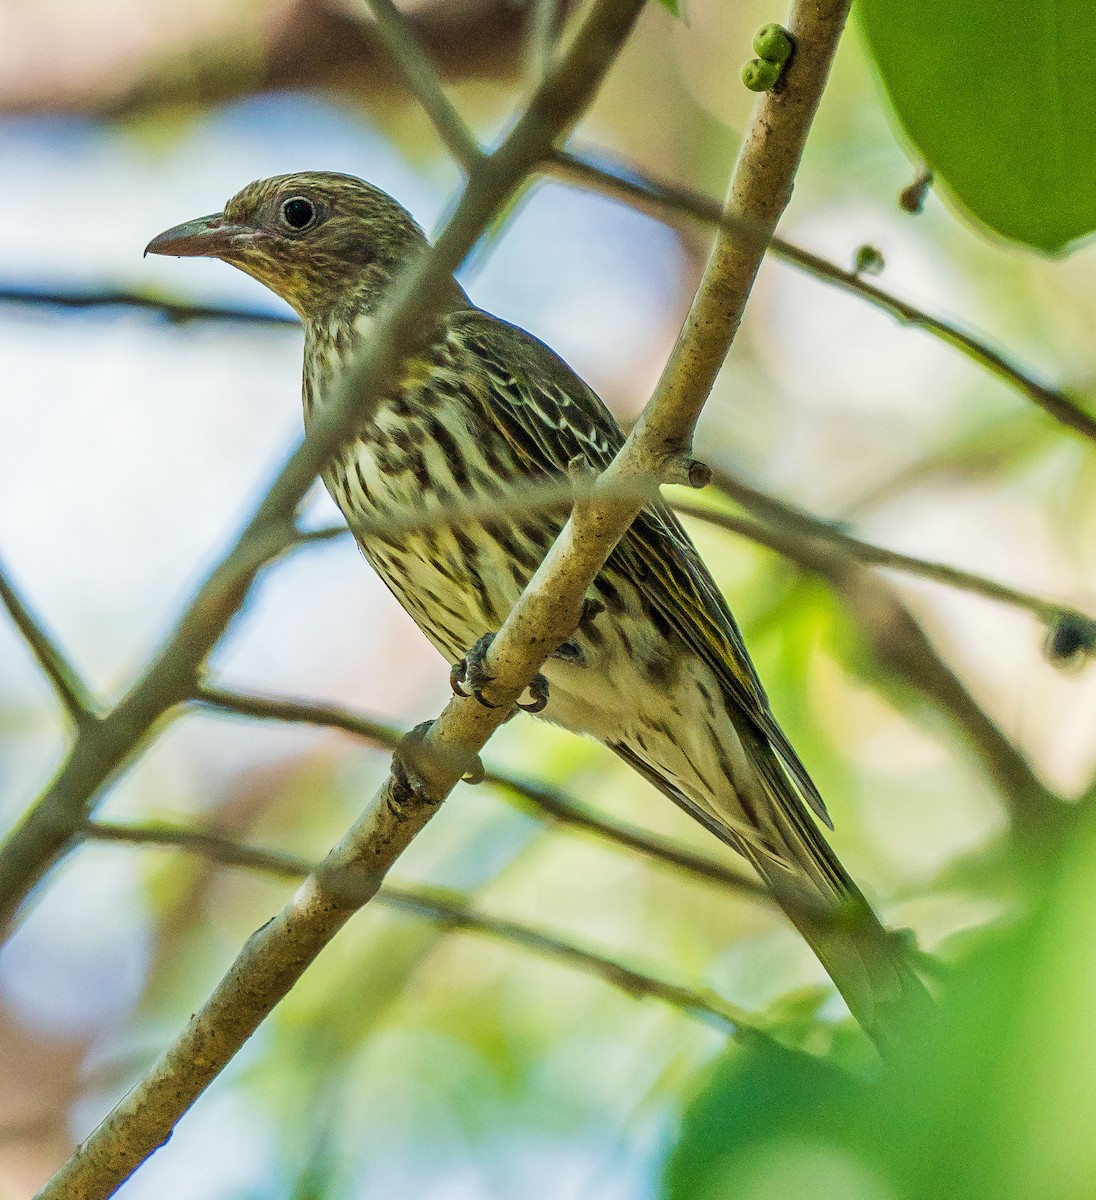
{"points": [[445, 907], [71, 690], [403, 49], [548, 495], [178, 312], [46, 830], [664, 199], [427, 769], [794, 522], [531, 795], [1038, 817]]}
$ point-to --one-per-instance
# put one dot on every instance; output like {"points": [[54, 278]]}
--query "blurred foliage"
{"points": [[999, 101], [995, 1100]]}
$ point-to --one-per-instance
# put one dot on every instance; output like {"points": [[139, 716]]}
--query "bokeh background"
{"points": [[415, 1062]]}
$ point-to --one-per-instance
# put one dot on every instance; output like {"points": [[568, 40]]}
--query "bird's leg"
{"points": [[469, 677]]}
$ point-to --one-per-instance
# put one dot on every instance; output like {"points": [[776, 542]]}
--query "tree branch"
{"points": [[71, 690], [46, 830], [664, 199], [277, 954], [792, 520], [446, 907], [549, 495], [403, 49], [176, 311], [1037, 816], [532, 796]]}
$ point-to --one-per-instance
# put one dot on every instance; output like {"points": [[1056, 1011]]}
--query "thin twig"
{"points": [[557, 494], [71, 690], [445, 907], [531, 795], [175, 311], [665, 199], [1037, 816], [790, 519], [403, 49], [550, 495]]}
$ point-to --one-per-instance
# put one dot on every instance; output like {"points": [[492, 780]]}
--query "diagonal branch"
{"points": [[794, 521], [663, 199], [69, 687], [277, 954], [1038, 817], [539, 798], [449, 908], [46, 830], [403, 49]]}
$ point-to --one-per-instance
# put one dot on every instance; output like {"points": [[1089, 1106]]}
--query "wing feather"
{"points": [[548, 415]]}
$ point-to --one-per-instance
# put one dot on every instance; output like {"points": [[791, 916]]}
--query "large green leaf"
{"points": [[999, 98]]}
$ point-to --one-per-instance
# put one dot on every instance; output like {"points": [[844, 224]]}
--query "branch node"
{"points": [[699, 474], [410, 765]]}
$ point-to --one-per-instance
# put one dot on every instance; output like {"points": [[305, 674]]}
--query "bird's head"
{"points": [[323, 242]]}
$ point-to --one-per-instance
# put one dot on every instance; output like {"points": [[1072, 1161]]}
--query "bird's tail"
{"points": [[870, 964]]}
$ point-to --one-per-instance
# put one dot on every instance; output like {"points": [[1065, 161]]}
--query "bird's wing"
{"points": [[549, 416]]}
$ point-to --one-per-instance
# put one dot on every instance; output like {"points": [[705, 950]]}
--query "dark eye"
{"points": [[298, 213]]}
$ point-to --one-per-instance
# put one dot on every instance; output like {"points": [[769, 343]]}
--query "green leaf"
{"points": [[999, 99], [758, 1127], [673, 7]]}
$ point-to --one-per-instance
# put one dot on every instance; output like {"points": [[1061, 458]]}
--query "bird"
{"points": [[657, 670]]}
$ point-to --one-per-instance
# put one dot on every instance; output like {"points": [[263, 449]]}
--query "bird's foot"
{"points": [[470, 676], [538, 690]]}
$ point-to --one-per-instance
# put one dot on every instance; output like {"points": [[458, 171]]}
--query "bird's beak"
{"points": [[206, 237]]}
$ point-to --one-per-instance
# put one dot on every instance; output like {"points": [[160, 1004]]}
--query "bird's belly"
{"points": [[457, 581]]}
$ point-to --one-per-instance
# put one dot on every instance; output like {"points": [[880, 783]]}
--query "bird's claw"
{"points": [[469, 676], [538, 689], [476, 773]]}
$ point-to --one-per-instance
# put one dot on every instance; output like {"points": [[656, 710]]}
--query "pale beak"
{"points": [[205, 237]]}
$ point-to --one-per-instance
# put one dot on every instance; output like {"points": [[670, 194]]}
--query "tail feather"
{"points": [[869, 964]]}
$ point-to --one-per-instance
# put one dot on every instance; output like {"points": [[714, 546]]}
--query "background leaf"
{"points": [[1000, 101]]}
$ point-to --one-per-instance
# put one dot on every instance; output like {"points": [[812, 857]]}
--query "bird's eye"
{"points": [[298, 213]]}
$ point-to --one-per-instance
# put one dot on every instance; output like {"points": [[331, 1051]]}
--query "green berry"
{"points": [[772, 44], [760, 76], [868, 261]]}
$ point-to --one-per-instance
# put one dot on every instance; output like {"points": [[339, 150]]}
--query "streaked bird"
{"points": [[660, 674]]}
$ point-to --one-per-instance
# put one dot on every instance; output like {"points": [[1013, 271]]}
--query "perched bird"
{"points": [[660, 675]]}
